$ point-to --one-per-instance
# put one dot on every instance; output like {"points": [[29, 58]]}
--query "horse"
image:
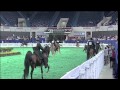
{"points": [[24, 43], [90, 51], [54, 48], [32, 60]]}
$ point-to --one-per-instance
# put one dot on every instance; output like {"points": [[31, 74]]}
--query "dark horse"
{"points": [[90, 51], [32, 60], [24, 43]]}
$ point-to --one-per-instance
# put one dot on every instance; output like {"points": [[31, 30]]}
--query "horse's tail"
{"points": [[27, 63]]}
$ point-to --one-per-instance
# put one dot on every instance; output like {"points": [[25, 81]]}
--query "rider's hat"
{"points": [[52, 41], [57, 41]]}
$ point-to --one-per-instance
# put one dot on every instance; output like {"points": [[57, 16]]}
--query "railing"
{"points": [[88, 70]]}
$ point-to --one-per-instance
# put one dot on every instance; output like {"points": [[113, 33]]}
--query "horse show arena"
{"points": [[70, 57]]}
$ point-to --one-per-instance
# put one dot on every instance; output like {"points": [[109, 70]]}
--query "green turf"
{"points": [[12, 66]]}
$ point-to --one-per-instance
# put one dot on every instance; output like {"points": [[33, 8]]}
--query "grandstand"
{"points": [[42, 19]]}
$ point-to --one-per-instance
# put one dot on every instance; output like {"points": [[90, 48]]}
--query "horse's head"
{"points": [[46, 49]]}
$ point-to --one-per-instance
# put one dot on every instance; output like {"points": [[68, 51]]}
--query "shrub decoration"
{"points": [[7, 52]]}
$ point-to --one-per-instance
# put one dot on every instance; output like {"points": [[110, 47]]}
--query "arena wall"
{"points": [[43, 44]]}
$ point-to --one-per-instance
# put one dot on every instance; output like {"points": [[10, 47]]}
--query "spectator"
{"points": [[110, 56], [113, 56], [105, 55]]}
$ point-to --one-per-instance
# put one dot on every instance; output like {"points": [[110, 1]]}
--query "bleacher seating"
{"points": [[66, 14], [2, 22], [11, 17], [43, 19], [89, 18]]}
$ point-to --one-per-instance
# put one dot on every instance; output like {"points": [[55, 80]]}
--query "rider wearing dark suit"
{"points": [[37, 50], [91, 45]]}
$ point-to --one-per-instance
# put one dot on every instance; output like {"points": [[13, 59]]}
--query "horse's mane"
{"points": [[45, 49]]}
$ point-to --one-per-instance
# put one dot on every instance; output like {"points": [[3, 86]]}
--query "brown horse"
{"points": [[54, 48], [33, 61], [91, 53]]}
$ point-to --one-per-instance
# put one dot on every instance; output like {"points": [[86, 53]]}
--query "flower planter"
{"points": [[9, 54], [5, 49]]}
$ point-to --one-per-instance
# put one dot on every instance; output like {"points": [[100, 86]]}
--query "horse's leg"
{"points": [[32, 70], [42, 71], [88, 55], [51, 51], [24, 74], [23, 77], [59, 50], [48, 69]]}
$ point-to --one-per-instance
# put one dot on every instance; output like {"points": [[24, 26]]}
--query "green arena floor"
{"points": [[12, 66]]}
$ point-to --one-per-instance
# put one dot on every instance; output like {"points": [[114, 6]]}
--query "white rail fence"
{"points": [[88, 70]]}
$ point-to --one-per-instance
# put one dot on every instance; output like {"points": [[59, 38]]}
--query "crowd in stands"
{"points": [[44, 19], [11, 18], [87, 19], [82, 39]]}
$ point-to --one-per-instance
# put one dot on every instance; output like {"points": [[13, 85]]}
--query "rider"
{"points": [[52, 42], [37, 51], [90, 45]]}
